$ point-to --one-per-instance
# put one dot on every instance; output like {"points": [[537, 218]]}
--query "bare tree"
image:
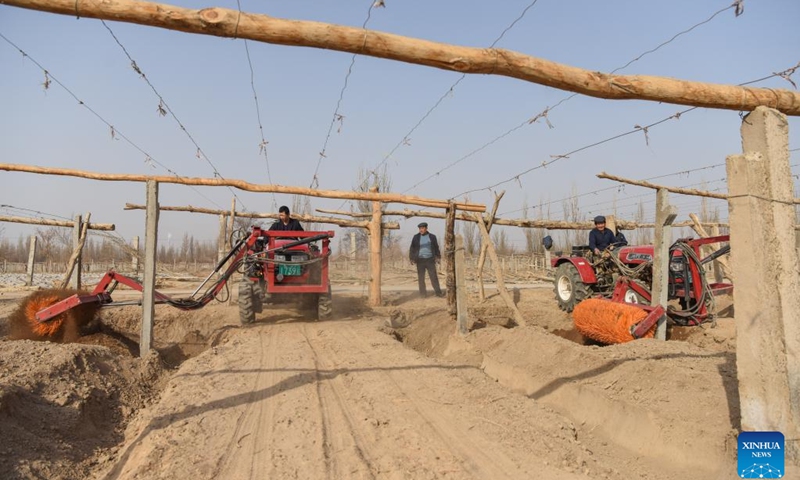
{"points": [[572, 213], [367, 179], [533, 236]]}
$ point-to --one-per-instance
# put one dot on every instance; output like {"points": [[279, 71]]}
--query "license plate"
{"points": [[290, 270]]}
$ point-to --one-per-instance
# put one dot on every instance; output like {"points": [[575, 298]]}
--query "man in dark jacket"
{"points": [[600, 238], [424, 253], [285, 221]]}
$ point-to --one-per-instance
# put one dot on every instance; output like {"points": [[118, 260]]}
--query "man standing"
{"points": [[285, 221], [600, 237], [424, 252]]}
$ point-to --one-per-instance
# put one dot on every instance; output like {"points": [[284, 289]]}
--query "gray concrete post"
{"points": [[665, 215], [221, 239], [75, 278], [461, 288], [149, 283], [767, 291], [353, 248], [135, 256], [31, 258]]}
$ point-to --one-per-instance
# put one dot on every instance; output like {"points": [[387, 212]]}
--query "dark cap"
{"points": [[599, 219], [423, 224]]}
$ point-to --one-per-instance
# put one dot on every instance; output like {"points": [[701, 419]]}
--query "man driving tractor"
{"points": [[602, 238]]}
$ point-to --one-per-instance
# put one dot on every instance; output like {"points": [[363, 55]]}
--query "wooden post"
{"points": [[501, 285], [665, 216], [718, 263], [221, 238], [547, 265], [75, 278], [375, 242], [767, 293], [353, 247], [462, 317], [484, 247], [449, 258], [231, 220], [149, 283], [135, 256], [31, 259]]}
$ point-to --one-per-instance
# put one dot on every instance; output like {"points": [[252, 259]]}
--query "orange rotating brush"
{"points": [[608, 322]]}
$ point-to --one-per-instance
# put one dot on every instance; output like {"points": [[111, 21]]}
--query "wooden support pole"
{"points": [[298, 216], [450, 259], [149, 283], [462, 316], [221, 238], [55, 223], [375, 254], [484, 247], [767, 293], [31, 259], [224, 22], [245, 186], [73, 276], [501, 284], [665, 216], [135, 256]]}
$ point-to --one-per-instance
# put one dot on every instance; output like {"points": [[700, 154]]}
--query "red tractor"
{"points": [[625, 275], [282, 266], [276, 266]]}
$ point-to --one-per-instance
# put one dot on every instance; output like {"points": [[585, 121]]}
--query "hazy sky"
{"points": [[205, 81]]}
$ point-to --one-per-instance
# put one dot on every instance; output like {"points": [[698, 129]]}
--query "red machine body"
{"points": [[258, 253]]}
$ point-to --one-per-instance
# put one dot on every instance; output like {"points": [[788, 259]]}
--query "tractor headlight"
{"points": [[676, 265]]}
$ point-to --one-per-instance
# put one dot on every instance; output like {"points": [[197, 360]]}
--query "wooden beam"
{"points": [[242, 185], [224, 22], [305, 218], [74, 259], [679, 190], [31, 264], [55, 223], [682, 191]]}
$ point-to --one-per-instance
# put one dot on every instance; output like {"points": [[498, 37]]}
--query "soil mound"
{"points": [[63, 407]]}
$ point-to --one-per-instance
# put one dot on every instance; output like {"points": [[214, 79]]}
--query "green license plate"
{"points": [[290, 270]]}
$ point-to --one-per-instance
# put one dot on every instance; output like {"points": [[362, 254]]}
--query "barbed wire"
{"points": [[637, 128], [544, 113], [164, 108], [406, 140], [115, 132], [617, 187], [34, 212], [262, 147], [337, 117]]}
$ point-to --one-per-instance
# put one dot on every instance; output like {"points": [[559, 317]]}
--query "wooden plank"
{"points": [[224, 22], [55, 223], [242, 185]]}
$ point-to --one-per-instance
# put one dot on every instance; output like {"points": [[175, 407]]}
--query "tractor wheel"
{"points": [[249, 300], [324, 305], [569, 288]]}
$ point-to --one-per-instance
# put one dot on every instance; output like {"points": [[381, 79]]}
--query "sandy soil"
{"points": [[288, 398]]}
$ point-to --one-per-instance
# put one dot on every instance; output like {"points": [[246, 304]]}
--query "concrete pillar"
{"points": [[135, 256], [448, 255], [31, 258], [149, 283], [353, 245], [221, 238], [665, 215], [75, 278], [767, 291]]}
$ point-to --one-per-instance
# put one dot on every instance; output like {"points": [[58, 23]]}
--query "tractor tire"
{"points": [[325, 305], [568, 287], [249, 300]]}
